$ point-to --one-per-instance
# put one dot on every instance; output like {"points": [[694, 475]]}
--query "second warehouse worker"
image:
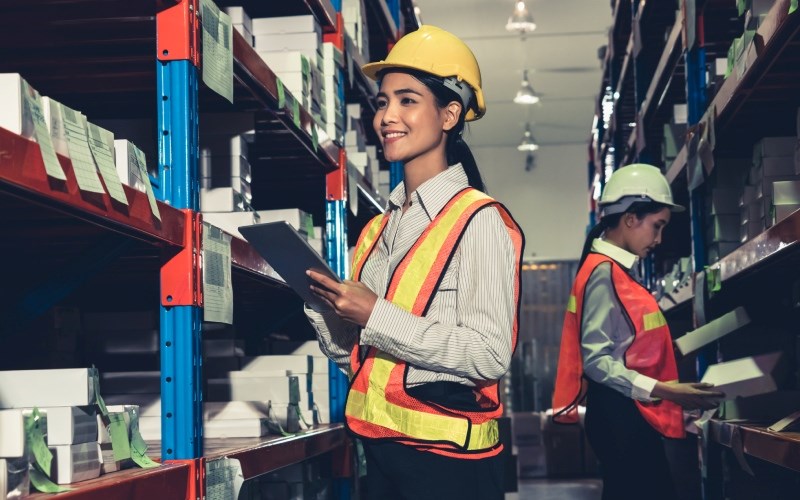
{"points": [[428, 324], [616, 348]]}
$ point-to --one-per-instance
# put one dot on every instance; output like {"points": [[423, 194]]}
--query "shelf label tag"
{"points": [[296, 112], [281, 93], [79, 153], [41, 131], [217, 282], [101, 143], [138, 446], [141, 167], [217, 54]]}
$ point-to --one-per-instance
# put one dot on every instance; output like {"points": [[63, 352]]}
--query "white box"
{"points": [[246, 34], [286, 25], [12, 434], [776, 166], [127, 167], [141, 382], [64, 387], [239, 16], [283, 61], [713, 330], [307, 43], [58, 135], [222, 200], [238, 428], [774, 146], [233, 410], [296, 218], [784, 211], [723, 228], [75, 463], [744, 377], [751, 229], [753, 211], [251, 386], [287, 415], [70, 424], [149, 404], [296, 363], [14, 114], [230, 221], [150, 428], [680, 113], [786, 192], [127, 411], [749, 195]]}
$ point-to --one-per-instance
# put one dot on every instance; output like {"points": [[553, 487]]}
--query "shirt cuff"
{"points": [[642, 388], [386, 328]]}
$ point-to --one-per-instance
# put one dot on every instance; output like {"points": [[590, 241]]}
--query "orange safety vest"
{"points": [[650, 353], [378, 406]]}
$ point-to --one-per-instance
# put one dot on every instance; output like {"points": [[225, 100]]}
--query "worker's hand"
{"points": [[350, 300], [691, 395]]}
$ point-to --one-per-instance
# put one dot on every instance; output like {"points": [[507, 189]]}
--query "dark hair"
{"points": [[456, 149], [640, 210]]}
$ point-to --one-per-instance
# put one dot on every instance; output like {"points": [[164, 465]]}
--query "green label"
{"points": [[100, 403], [281, 93], [314, 137], [296, 112], [138, 446], [792, 6], [35, 439], [43, 483], [119, 436]]}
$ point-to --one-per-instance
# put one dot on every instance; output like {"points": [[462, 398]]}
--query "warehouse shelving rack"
{"points": [[762, 100], [96, 56]]}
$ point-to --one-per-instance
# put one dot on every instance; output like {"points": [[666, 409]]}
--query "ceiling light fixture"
{"points": [[521, 20], [526, 94], [528, 142]]}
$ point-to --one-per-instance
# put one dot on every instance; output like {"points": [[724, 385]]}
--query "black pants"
{"points": [[399, 472], [631, 452]]}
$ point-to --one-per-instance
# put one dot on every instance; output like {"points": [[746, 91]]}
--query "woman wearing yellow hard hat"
{"points": [[427, 325], [616, 348]]}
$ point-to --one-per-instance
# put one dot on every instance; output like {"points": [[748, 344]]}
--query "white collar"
{"points": [[623, 257]]}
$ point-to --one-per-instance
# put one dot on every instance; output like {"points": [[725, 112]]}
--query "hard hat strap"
{"points": [[463, 90]]}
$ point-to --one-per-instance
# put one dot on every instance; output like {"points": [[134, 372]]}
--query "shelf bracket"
{"points": [[177, 29], [196, 484], [182, 273], [336, 37]]}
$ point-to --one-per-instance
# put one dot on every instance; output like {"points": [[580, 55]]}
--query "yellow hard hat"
{"points": [[634, 183], [440, 53]]}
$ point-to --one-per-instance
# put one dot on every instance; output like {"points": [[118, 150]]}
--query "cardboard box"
{"points": [[233, 410], [251, 386], [773, 146], [12, 434], [744, 377], [775, 166], [724, 201], [224, 199], [783, 211], [230, 221], [718, 250], [307, 43], [752, 211], [713, 330], [149, 405], [238, 428], [287, 415], [127, 167], [751, 229], [15, 115], [723, 228], [70, 424], [127, 412], [286, 25], [786, 192], [75, 463], [285, 61], [64, 387], [239, 16]]}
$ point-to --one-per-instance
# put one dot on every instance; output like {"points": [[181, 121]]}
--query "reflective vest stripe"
{"points": [[416, 284], [654, 320], [366, 242], [572, 306]]}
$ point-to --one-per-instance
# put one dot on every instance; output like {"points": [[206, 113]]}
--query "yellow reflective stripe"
{"points": [[366, 243], [414, 276], [372, 407], [654, 320], [572, 305]]}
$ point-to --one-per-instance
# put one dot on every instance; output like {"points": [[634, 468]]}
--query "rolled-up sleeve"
{"points": [[603, 324], [479, 346], [336, 336]]}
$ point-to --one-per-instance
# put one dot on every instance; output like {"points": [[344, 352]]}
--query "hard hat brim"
{"points": [[372, 70]]}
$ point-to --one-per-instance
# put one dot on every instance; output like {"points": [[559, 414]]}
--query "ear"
{"points": [[630, 219], [451, 114]]}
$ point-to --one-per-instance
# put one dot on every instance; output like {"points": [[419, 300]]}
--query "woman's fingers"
{"points": [[322, 280]]}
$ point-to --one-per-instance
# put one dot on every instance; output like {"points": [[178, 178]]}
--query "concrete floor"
{"points": [[564, 489]]}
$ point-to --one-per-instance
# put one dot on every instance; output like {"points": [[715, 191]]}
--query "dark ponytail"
{"points": [[640, 210], [456, 149]]}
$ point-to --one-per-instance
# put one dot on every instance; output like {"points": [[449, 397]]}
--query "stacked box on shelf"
{"points": [[290, 46], [15, 113], [364, 158], [242, 23], [723, 200], [14, 480], [773, 167], [302, 222], [332, 63], [354, 15], [675, 133], [299, 368], [65, 399]]}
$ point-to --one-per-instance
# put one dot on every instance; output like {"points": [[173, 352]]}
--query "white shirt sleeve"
{"points": [[336, 336]]}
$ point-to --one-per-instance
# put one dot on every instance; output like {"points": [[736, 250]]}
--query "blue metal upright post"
{"points": [[181, 313]]}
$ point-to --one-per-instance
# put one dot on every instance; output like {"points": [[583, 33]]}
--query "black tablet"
{"points": [[291, 256]]}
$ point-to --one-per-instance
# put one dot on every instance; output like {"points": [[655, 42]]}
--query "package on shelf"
{"points": [[285, 25], [67, 425], [59, 387], [241, 22], [772, 166], [723, 201], [150, 427], [233, 151], [127, 166], [673, 140], [355, 140], [133, 382], [255, 386], [233, 410], [298, 219], [126, 410], [750, 229], [238, 428], [14, 478], [15, 114], [306, 43], [109, 463], [764, 407], [219, 367], [354, 15], [780, 212], [75, 463], [12, 434], [223, 199], [774, 147], [220, 348], [332, 59], [122, 332], [752, 211], [723, 228], [713, 330], [230, 222], [149, 405], [284, 417], [54, 120], [744, 377], [296, 363], [766, 188]]}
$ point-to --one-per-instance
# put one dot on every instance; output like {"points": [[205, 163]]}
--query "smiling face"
{"points": [[642, 235], [409, 121]]}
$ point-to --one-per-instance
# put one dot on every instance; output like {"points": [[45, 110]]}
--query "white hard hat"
{"points": [[634, 183]]}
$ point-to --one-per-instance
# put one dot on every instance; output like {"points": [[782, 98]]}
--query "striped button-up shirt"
{"points": [[466, 335], [606, 333]]}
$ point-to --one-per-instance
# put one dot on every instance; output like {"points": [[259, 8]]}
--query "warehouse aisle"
{"points": [[565, 489]]}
